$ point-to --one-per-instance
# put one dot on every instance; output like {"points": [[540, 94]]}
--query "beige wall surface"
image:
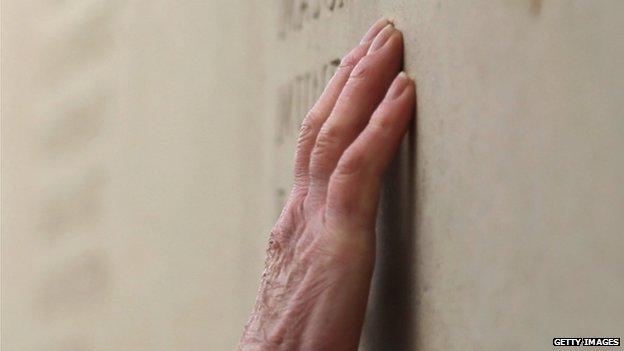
{"points": [[147, 146], [132, 174]]}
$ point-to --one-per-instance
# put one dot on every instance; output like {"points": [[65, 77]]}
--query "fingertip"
{"points": [[410, 90], [374, 30], [398, 36], [388, 42], [382, 38], [400, 85]]}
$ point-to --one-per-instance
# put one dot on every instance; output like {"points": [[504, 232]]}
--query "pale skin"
{"points": [[321, 253]]}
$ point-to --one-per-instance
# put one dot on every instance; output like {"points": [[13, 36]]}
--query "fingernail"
{"points": [[401, 82], [382, 37], [374, 30]]}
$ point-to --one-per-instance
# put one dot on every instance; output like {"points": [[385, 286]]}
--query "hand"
{"points": [[322, 249]]}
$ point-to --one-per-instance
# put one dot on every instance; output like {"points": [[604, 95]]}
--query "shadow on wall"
{"points": [[389, 323]]}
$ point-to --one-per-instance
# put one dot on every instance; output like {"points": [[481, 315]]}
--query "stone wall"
{"points": [[147, 147]]}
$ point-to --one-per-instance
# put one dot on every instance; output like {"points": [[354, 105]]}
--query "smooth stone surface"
{"points": [[147, 149]]}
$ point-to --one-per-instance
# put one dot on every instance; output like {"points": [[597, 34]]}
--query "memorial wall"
{"points": [[147, 149]]}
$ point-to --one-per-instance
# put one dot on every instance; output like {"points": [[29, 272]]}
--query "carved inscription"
{"points": [[295, 13], [82, 282], [73, 123], [74, 205], [296, 97], [75, 105]]}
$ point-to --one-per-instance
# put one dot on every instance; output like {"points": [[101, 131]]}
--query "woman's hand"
{"points": [[322, 249]]}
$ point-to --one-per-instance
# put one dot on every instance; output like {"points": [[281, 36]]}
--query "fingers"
{"points": [[353, 189], [323, 107], [361, 94]]}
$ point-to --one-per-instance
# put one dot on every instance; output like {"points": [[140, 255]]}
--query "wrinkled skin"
{"points": [[321, 251]]}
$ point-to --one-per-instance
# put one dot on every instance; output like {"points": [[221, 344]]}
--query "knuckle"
{"points": [[361, 70], [352, 163], [328, 136], [291, 216], [311, 118], [380, 125], [308, 128], [320, 163], [341, 203], [349, 61]]}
